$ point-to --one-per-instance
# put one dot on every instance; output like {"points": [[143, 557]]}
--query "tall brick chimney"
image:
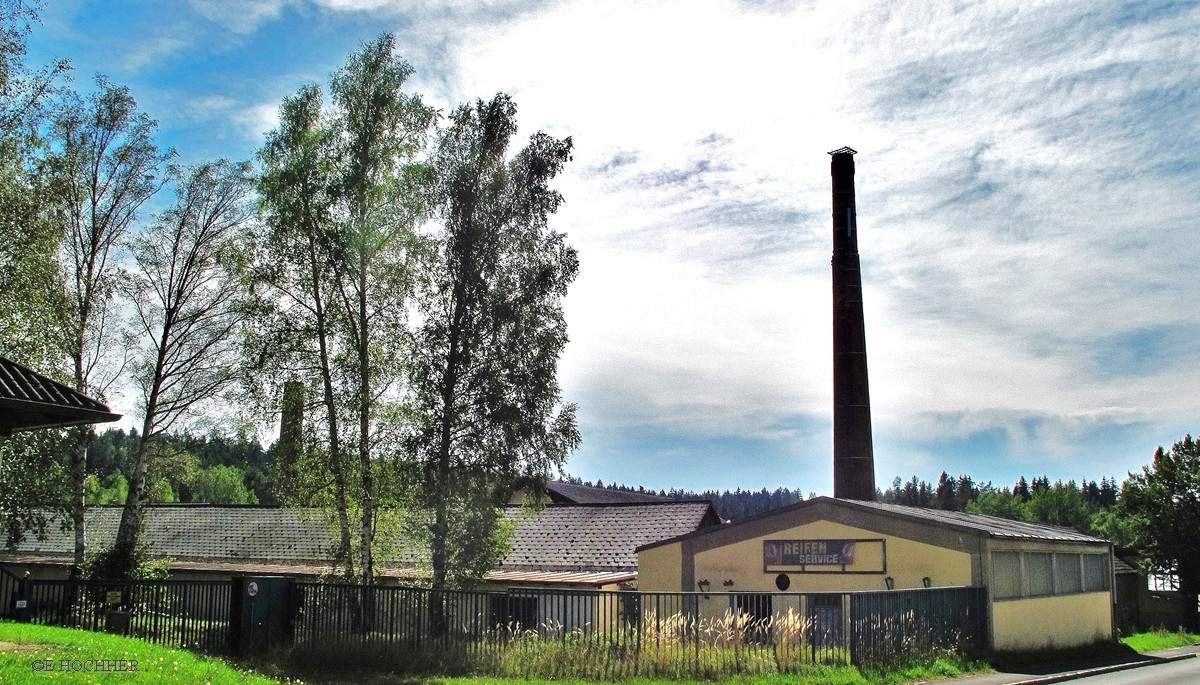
{"points": [[853, 454]]}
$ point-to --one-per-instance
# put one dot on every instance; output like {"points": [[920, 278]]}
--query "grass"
{"points": [[361, 666], [32, 654], [27, 651], [1158, 640]]}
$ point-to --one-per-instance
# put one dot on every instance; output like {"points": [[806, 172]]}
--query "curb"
{"points": [[1072, 675]]}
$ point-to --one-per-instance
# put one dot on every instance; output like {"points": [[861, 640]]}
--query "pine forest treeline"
{"points": [[1089, 506]]}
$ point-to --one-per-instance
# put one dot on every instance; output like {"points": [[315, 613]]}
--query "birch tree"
{"points": [[339, 190], [104, 168], [487, 406], [184, 290]]}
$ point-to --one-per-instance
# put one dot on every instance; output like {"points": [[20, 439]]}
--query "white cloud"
{"points": [[1027, 192], [240, 16]]}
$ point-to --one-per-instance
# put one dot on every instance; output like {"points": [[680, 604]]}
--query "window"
{"points": [[1067, 574], [1006, 574], [1094, 577], [1042, 574], [1167, 582], [1039, 573]]}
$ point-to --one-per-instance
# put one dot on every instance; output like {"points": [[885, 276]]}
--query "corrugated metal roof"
{"points": [[993, 526]]}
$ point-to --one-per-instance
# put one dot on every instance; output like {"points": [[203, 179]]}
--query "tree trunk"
{"points": [[123, 556], [364, 428], [84, 437], [335, 446]]}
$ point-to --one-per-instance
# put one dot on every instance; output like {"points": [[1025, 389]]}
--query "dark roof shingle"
{"points": [[29, 400], [568, 537], [558, 538]]}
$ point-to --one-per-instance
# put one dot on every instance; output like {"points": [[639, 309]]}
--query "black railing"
{"points": [[192, 614], [895, 626], [530, 632], [595, 634], [10, 591]]}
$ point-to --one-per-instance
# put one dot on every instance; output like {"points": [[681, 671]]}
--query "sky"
{"points": [[1027, 191]]}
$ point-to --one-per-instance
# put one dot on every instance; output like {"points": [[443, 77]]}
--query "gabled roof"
{"points": [[29, 400], [204, 533], [976, 524], [590, 544], [595, 537]]}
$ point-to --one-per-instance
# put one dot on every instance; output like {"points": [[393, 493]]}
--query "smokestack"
{"points": [[853, 454]]}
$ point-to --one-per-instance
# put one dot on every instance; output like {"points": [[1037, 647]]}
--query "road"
{"points": [[1185, 672]]}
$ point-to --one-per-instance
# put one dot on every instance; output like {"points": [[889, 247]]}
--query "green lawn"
{"points": [[32, 654], [1159, 640]]}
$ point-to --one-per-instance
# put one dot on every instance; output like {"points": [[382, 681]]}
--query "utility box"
{"points": [[116, 621], [260, 614]]}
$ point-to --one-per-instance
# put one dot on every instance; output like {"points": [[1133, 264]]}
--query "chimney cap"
{"points": [[844, 151]]}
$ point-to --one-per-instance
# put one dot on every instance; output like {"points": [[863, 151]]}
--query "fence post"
{"points": [[24, 600]]}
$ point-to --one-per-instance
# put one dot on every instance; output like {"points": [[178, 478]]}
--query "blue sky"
{"points": [[1028, 195]]}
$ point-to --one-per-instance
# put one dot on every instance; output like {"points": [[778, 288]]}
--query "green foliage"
{"points": [[221, 485], [113, 489], [333, 281], [184, 291], [1162, 509], [31, 283], [33, 483], [183, 459], [486, 408], [1059, 505], [1000, 503], [112, 563]]}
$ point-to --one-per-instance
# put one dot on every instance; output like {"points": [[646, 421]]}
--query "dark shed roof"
{"points": [[569, 493], [29, 400]]}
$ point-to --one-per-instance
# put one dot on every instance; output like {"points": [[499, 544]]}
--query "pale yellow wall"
{"points": [[660, 568], [907, 562], [1044, 622]]}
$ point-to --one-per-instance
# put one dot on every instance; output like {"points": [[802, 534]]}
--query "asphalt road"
{"points": [[1185, 672]]}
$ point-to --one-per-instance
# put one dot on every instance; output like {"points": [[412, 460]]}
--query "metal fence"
{"points": [[10, 588], [596, 634], [523, 632], [894, 626], [191, 614]]}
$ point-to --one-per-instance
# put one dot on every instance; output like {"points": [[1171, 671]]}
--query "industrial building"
{"points": [[1047, 586]]}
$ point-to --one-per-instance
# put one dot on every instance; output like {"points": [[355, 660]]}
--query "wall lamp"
{"points": [[890, 582], [728, 583], [927, 581], [703, 585]]}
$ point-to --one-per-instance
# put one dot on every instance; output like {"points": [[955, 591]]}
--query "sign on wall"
{"points": [[824, 556]]}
